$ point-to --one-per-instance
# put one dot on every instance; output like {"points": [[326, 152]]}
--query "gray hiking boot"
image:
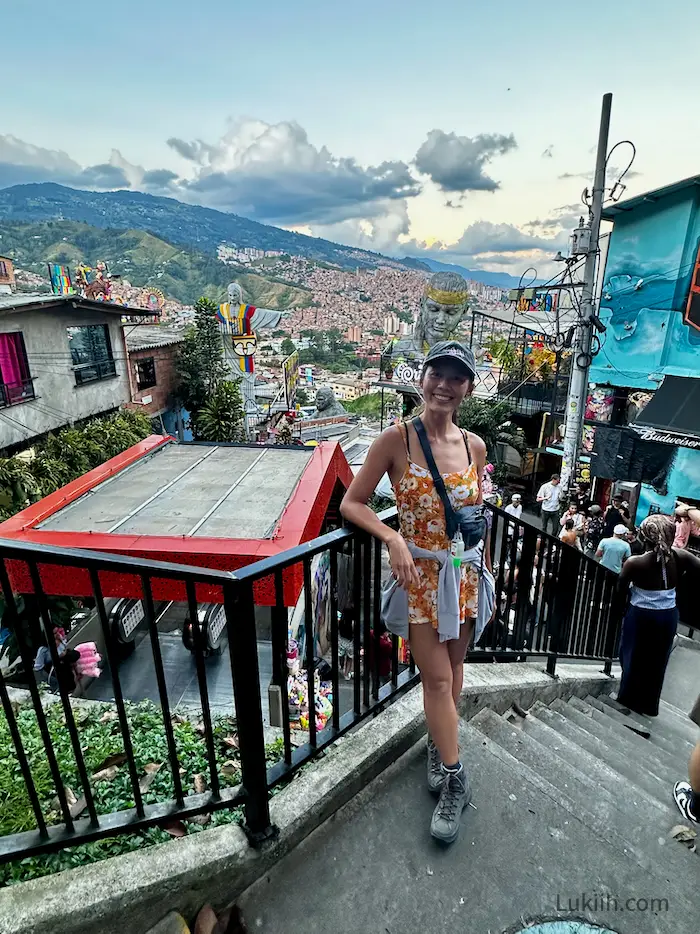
{"points": [[454, 797], [436, 777]]}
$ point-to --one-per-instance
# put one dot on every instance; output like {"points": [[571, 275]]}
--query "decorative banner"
{"points": [[543, 302], [61, 283], [244, 346], [599, 404], [290, 370], [152, 299]]}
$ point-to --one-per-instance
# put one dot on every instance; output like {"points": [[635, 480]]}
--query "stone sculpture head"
{"points": [[235, 293], [325, 399], [442, 308]]}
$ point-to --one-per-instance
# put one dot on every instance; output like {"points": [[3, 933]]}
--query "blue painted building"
{"points": [[650, 305]]}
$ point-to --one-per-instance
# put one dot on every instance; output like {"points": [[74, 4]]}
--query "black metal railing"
{"points": [[553, 602], [13, 393]]}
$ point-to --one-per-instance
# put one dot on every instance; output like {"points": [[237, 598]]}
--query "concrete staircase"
{"points": [[570, 803]]}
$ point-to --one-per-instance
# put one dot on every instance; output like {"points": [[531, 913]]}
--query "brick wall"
{"points": [[166, 379]]}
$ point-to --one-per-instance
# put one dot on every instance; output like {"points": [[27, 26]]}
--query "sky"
{"points": [[461, 131]]}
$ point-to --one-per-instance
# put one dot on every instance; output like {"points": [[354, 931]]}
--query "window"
{"points": [[91, 353], [15, 381], [145, 373]]}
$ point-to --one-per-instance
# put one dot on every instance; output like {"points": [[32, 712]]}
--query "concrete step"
{"points": [[678, 719], [581, 730], [666, 724], [633, 826], [661, 763], [522, 853], [668, 744], [583, 751]]}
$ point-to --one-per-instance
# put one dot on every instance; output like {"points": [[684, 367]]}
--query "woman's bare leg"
{"points": [[433, 660], [457, 650]]}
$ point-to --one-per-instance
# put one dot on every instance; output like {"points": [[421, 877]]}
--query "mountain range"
{"points": [[143, 259], [198, 228]]}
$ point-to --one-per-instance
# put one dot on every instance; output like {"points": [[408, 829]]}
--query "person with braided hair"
{"points": [[650, 623]]}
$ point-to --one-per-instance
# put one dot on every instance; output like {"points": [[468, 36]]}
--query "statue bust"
{"points": [[442, 309], [327, 406]]}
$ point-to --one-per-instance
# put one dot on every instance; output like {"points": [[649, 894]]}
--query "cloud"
{"points": [[158, 178], [485, 245], [611, 175], [273, 173], [565, 217], [23, 163], [104, 176], [457, 163], [486, 237]]}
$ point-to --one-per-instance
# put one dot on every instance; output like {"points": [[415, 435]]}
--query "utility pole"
{"points": [[578, 384]]}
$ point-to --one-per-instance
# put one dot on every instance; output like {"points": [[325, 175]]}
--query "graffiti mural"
{"points": [[645, 300]]}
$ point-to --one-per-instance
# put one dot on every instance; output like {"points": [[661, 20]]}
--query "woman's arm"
{"points": [[354, 508]]}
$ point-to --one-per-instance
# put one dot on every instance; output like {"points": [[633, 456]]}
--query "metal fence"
{"points": [[553, 602]]}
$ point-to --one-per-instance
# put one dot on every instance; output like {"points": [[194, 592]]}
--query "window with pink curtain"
{"points": [[14, 368]]}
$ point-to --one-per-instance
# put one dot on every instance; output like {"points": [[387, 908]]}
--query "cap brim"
{"points": [[453, 359]]}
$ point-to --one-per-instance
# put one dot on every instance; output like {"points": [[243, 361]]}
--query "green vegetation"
{"points": [[65, 456], [200, 360], [213, 401], [182, 273], [369, 406], [491, 421], [330, 350], [102, 745], [288, 347], [221, 417]]}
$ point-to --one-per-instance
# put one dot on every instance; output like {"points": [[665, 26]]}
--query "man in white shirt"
{"points": [[549, 496], [515, 506]]}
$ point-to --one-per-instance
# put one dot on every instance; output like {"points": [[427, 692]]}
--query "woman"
{"points": [[447, 379], [650, 623]]}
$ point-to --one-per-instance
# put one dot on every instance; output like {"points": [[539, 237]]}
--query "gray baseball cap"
{"points": [[452, 350]]}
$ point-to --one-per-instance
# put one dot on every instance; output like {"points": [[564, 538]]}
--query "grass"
{"points": [[100, 739]]}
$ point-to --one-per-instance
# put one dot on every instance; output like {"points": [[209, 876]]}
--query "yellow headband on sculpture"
{"points": [[443, 297]]}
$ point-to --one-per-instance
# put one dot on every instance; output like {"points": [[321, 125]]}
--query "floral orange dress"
{"points": [[422, 521]]}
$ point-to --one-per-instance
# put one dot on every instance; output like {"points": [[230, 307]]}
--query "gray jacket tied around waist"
{"points": [[394, 599]]}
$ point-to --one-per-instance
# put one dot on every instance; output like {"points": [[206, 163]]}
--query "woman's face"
{"points": [[445, 386]]}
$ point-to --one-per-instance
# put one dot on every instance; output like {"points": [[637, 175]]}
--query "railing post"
{"points": [[563, 583], [243, 651], [614, 630], [526, 569]]}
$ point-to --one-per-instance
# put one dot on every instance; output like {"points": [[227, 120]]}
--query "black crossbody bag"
{"points": [[469, 520]]}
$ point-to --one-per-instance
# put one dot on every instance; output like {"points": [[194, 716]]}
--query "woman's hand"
{"points": [[402, 564]]}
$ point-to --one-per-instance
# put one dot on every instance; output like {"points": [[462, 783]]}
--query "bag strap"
{"points": [[451, 519]]}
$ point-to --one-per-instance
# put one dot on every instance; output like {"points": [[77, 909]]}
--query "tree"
{"points": [[491, 421], [302, 396], [221, 417], [288, 347], [503, 352], [200, 363]]}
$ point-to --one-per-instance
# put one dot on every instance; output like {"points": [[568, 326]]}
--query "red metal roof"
{"points": [[300, 520]]}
